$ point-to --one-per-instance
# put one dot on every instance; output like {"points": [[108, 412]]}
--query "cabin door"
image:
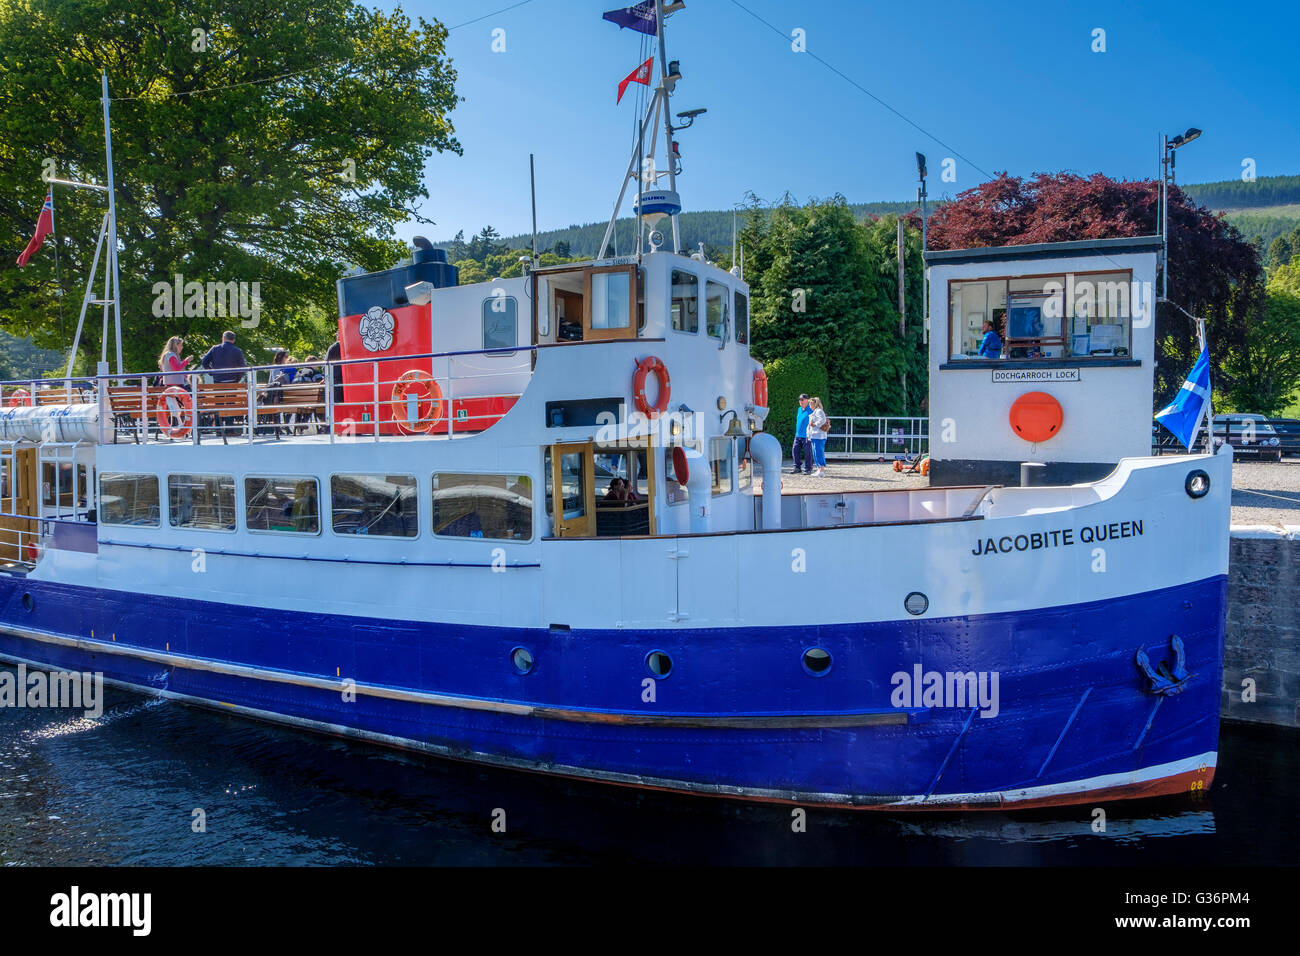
{"points": [[571, 490], [18, 496]]}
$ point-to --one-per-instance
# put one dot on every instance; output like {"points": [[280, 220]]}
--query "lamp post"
{"points": [[925, 271], [1167, 148]]}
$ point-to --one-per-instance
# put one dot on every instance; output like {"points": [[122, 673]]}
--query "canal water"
{"points": [[133, 786]]}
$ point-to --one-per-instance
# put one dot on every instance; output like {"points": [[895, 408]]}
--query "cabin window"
{"points": [[201, 502], [720, 465], [57, 475], [742, 318], [483, 506], [129, 499], [378, 505], [623, 493], [500, 322], [685, 302], [744, 466], [1045, 317], [716, 309], [287, 504], [675, 492], [611, 295], [573, 490]]}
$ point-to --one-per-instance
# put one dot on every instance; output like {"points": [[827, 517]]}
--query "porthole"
{"points": [[916, 603], [659, 664], [1197, 484], [522, 658], [29, 602], [817, 661]]}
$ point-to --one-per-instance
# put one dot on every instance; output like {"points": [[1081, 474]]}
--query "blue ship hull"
{"points": [[737, 716]]}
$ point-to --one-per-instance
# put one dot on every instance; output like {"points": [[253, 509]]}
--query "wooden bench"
{"points": [[305, 399], [131, 408], [62, 394], [222, 402]]}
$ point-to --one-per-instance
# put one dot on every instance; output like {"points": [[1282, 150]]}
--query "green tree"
{"points": [[788, 378], [825, 285], [1264, 372], [1279, 252], [251, 144]]}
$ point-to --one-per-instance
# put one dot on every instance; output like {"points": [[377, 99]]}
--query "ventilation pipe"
{"points": [[767, 452]]}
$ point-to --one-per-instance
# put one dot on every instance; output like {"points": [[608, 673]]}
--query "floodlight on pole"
{"points": [[1167, 148]]}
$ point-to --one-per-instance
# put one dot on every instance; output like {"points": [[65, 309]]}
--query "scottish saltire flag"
{"points": [[1182, 416], [639, 17], [44, 226]]}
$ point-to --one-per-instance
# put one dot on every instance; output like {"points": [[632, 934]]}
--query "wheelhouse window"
{"points": [[720, 465], [379, 505], [742, 318], [716, 309], [1046, 317], [129, 499], [201, 502], [483, 506], [685, 302], [744, 466], [288, 504], [500, 322], [611, 296]]}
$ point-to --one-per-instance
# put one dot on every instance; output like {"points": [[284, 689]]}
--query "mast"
{"points": [[111, 265], [668, 117], [659, 101]]}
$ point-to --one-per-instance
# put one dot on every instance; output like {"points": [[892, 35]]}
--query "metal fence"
{"points": [[879, 438]]}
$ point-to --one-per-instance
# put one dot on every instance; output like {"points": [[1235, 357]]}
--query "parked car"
{"points": [[1249, 435], [1288, 433]]}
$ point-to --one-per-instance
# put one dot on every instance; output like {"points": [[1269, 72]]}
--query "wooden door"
{"points": [[573, 491], [606, 313]]}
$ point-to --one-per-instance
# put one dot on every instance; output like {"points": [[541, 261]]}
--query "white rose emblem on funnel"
{"points": [[376, 329]]}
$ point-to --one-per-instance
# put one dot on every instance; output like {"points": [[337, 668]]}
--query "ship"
{"points": [[520, 523]]}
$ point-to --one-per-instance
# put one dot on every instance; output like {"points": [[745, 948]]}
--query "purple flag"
{"points": [[639, 17]]}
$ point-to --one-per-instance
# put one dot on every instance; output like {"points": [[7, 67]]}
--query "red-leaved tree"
{"points": [[1213, 271]]}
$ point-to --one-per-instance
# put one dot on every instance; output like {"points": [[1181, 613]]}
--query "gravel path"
{"points": [[1263, 492]]}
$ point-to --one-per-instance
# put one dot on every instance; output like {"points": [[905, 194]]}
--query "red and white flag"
{"points": [[44, 226], [640, 75]]}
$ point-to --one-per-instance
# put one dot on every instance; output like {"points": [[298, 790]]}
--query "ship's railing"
{"points": [[882, 437], [441, 394]]}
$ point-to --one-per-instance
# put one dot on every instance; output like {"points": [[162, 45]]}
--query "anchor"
{"points": [[1164, 680]]}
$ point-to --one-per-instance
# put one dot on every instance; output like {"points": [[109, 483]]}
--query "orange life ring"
{"points": [[20, 397], [760, 388], [164, 411], [1036, 416], [651, 363], [428, 401]]}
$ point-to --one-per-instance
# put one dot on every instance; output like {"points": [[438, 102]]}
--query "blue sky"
{"points": [[1003, 85]]}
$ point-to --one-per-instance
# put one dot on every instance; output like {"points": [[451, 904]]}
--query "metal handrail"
{"points": [[877, 436]]}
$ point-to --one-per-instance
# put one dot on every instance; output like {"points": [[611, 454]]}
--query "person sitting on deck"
{"points": [[227, 355]]}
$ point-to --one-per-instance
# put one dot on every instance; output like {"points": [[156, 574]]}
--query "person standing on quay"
{"points": [[802, 450], [819, 426]]}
